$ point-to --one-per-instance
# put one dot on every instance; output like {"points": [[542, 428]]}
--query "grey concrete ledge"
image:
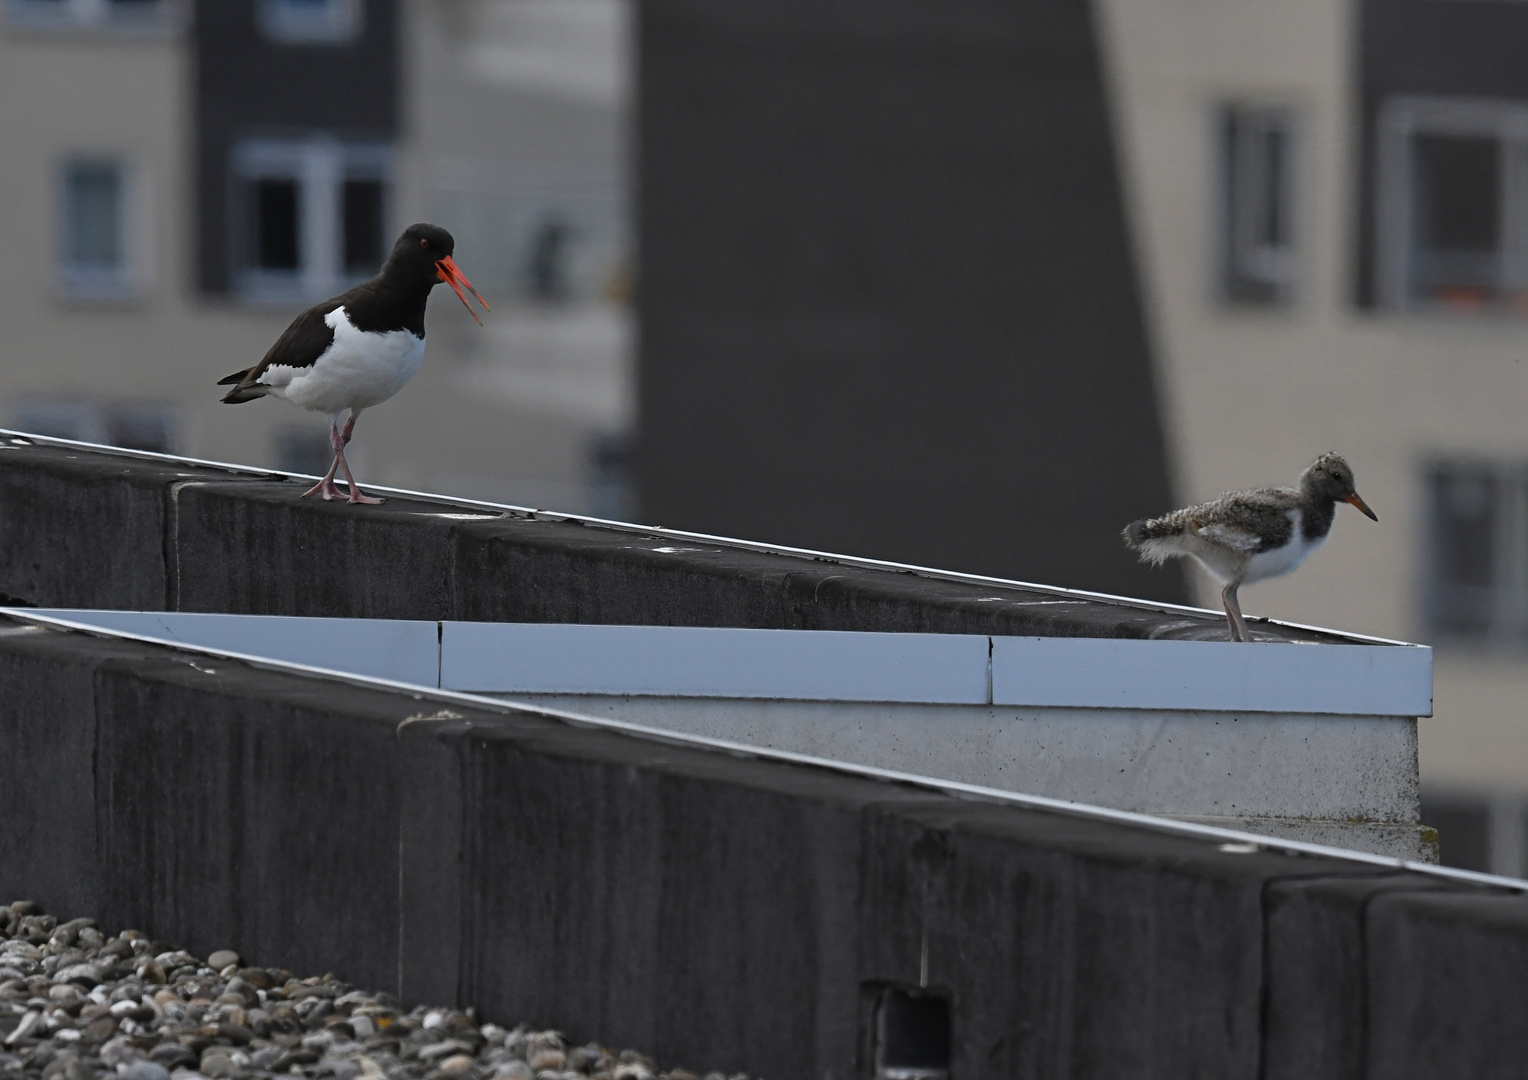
{"points": [[85, 526]]}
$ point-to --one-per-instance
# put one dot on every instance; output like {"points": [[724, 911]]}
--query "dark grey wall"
{"points": [[887, 297], [721, 911], [88, 529], [1423, 47], [248, 85]]}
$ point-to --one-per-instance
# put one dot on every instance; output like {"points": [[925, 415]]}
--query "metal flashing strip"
{"points": [[1220, 676], [697, 661], [1228, 840], [661, 532], [820, 665], [401, 649]]}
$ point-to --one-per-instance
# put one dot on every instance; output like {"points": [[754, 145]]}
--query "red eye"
{"points": [[424, 243]]}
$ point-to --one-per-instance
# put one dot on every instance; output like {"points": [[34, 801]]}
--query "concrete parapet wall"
{"points": [[724, 909], [1349, 781], [1202, 730], [80, 527]]}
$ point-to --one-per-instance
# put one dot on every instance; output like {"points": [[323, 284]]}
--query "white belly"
{"points": [[1272, 564], [360, 369]]}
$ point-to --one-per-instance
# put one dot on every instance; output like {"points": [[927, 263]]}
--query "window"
{"points": [[131, 425], [310, 22], [309, 216], [564, 246], [93, 228], [1453, 205], [1477, 586], [110, 14], [1256, 256]]}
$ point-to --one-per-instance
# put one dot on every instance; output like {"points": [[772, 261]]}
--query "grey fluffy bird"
{"points": [[1247, 536]]}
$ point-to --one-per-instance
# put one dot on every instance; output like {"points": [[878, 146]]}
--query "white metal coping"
{"points": [[819, 665], [1228, 840], [496, 509]]}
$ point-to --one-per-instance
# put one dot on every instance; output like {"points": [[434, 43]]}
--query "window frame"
{"points": [[320, 164], [1240, 265], [1507, 591], [100, 420], [86, 282], [1401, 120], [144, 16], [339, 22]]}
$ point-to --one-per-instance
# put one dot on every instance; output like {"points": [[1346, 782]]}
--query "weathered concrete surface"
{"points": [[88, 529], [1347, 781], [82, 528], [717, 908], [1397, 839], [1465, 1017], [694, 887], [1317, 973]]}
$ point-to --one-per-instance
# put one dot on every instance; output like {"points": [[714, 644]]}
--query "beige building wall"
{"points": [[515, 114], [508, 411], [82, 92], [1252, 396]]}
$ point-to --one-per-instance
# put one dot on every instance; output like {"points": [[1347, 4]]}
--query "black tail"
{"points": [[240, 394], [1135, 533]]}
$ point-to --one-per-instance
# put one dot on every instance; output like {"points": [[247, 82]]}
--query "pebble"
{"points": [[143, 1070], [79, 1004]]}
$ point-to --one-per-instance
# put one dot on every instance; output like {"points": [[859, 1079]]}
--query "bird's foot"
{"points": [[367, 500], [324, 487]]}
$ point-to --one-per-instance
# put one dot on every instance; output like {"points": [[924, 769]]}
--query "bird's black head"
{"points": [[420, 248], [422, 259], [1332, 477]]}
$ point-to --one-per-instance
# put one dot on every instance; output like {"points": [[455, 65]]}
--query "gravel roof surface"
{"points": [[77, 1004]]}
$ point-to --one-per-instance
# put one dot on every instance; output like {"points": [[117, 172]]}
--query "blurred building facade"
{"points": [[182, 178], [888, 300], [1329, 207], [885, 306]]}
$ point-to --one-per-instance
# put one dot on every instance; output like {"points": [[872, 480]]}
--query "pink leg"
{"points": [[325, 487], [339, 452], [355, 491]]}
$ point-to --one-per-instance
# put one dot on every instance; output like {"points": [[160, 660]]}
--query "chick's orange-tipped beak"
{"points": [[1352, 497], [452, 276]]}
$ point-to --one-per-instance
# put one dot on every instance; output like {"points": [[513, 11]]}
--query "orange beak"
{"points": [[1352, 497], [452, 276]]}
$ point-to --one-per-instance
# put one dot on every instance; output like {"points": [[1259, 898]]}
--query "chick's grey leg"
{"points": [[1234, 613]]}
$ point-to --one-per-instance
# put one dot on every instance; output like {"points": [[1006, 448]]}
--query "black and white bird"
{"points": [[1248, 536], [359, 348]]}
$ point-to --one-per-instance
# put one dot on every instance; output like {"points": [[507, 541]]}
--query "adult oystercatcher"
{"points": [[360, 348], [1248, 536]]}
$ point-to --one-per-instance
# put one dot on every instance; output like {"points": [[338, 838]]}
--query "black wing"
{"points": [[300, 345]]}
